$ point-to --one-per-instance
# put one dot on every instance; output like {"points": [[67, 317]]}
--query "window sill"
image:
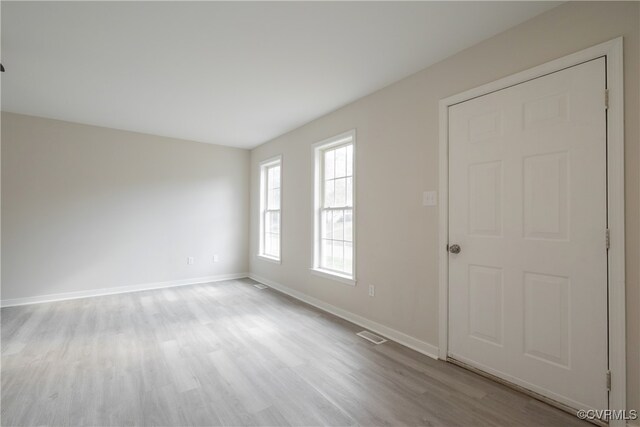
{"points": [[268, 259], [334, 276]]}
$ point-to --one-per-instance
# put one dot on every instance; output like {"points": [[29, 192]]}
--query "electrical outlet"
{"points": [[216, 258], [372, 291], [190, 260]]}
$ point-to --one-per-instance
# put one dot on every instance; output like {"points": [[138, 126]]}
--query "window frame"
{"points": [[265, 165], [318, 149]]}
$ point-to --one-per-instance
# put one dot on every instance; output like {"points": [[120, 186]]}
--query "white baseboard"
{"points": [[392, 334], [119, 290]]}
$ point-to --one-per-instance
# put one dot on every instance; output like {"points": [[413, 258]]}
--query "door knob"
{"points": [[454, 249]]}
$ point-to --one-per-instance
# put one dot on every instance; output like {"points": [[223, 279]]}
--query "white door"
{"points": [[528, 208]]}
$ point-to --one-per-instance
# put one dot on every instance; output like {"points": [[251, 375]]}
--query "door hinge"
{"points": [[606, 99], [608, 238], [609, 380], [447, 248]]}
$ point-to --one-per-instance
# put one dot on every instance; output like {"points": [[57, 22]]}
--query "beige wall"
{"points": [[397, 159], [86, 208]]}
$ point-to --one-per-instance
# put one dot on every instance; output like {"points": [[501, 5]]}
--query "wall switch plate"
{"points": [[216, 258], [372, 291], [190, 260], [429, 198]]}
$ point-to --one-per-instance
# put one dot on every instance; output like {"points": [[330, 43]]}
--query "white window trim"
{"points": [[316, 270], [270, 258], [263, 167], [333, 275]]}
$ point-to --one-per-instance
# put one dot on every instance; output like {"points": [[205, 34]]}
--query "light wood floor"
{"points": [[230, 354]]}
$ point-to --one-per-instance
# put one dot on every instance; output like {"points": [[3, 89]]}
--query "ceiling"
{"points": [[236, 74]]}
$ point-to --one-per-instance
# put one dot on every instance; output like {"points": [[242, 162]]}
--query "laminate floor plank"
{"points": [[229, 354]]}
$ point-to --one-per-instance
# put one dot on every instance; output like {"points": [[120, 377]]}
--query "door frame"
{"points": [[612, 51]]}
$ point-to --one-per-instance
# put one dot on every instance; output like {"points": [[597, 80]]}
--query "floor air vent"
{"points": [[260, 286], [371, 337]]}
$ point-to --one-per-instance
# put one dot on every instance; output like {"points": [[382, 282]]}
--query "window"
{"points": [[270, 176], [334, 208]]}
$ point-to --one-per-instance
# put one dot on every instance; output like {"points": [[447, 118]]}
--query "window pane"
{"points": [[275, 222], [338, 225], [275, 242], [276, 176], [329, 194], [341, 162], [267, 243], [270, 178], [326, 254], [348, 258], [338, 256], [335, 217], [273, 197], [340, 192], [270, 209], [329, 157], [267, 222], [327, 225], [348, 225]]}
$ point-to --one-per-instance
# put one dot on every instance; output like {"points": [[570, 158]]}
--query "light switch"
{"points": [[429, 198]]}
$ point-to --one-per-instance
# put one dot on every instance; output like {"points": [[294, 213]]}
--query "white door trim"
{"points": [[612, 50]]}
